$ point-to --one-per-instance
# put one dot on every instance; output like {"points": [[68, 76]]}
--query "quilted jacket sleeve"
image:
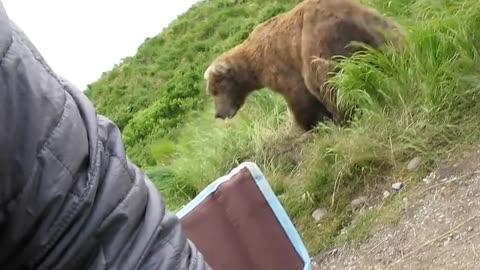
{"points": [[69, 197]]}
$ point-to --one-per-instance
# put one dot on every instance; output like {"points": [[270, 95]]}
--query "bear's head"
{"points": [[226, 89]]}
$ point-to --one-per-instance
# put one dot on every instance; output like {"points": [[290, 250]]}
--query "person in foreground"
{"points": [[69, 196]]}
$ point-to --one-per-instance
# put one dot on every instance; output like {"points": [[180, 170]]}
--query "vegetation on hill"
{"points": [[421, 101]]}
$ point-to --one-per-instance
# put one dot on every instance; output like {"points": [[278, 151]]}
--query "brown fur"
{"points": [[290, 54]]}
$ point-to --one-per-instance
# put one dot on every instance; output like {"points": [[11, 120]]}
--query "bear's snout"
{"points": [[230, 114]]}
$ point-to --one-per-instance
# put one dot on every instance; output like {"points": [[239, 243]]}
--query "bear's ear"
{"points": [[220, 68]]}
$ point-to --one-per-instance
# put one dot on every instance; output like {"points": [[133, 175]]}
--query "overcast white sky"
{"points": [[81, 39]]}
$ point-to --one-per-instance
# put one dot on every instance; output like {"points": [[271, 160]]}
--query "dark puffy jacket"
{"points": [[69, 197]]}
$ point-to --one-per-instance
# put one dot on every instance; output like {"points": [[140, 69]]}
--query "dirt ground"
{"points": [[439, 227]]}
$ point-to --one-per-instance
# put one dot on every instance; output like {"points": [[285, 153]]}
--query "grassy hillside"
{"points": [[418, 102], [149, 95]]}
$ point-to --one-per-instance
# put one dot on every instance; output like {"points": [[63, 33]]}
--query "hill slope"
{"points": [[419, 102], [438, 229], [150, 94]]}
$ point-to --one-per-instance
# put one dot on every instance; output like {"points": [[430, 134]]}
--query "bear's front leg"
{"points": [[316, 75], [307, 110]]}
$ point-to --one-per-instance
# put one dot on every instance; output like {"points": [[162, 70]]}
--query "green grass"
{"points": [[421, 101]]}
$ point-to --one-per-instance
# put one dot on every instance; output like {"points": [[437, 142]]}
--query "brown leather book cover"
{"points": [[238, 223]]}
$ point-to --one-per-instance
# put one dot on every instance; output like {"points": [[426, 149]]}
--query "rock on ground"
{"points": [[319, 214]]}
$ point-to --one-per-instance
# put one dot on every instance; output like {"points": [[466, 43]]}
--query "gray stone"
{"points": [[397, 186], [414, 163], [359, 201], [319, 214]]}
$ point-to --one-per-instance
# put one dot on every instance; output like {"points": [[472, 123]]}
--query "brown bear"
{"points": [[291, 54]]}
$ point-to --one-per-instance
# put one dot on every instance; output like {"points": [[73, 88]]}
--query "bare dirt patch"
{"points": [[439, 227]]}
